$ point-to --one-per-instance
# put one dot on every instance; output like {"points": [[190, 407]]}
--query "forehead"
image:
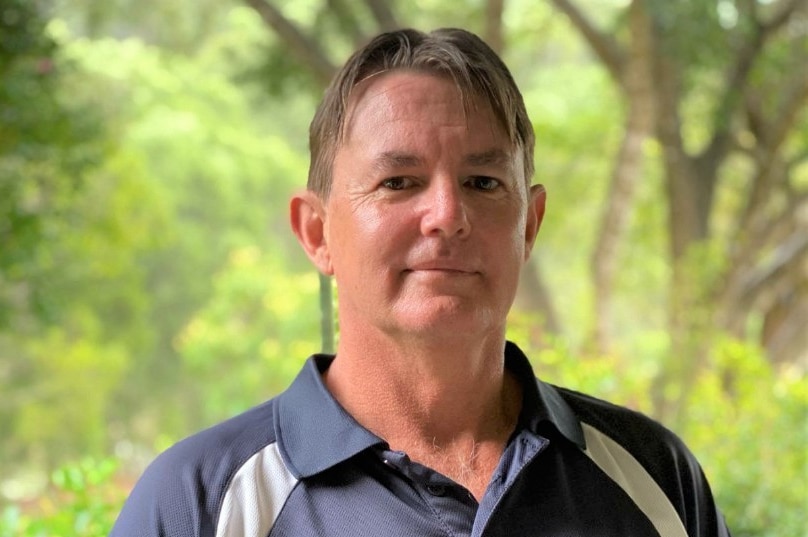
{"points": [[404, 120], [401, 97]]}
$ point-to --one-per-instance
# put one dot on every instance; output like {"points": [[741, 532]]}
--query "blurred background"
{"points": [[150, 286]]}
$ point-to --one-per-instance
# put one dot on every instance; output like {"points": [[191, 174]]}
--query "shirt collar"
{"points": [[315, 433], [542, 404]]}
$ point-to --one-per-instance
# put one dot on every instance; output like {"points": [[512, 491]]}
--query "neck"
{"points": [[449, 406]]}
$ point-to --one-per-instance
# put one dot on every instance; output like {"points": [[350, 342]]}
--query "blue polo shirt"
{"points": [[300, 465]]}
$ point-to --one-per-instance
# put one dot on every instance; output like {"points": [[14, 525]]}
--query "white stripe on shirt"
{"points": [[629, 474], [256, 495]]}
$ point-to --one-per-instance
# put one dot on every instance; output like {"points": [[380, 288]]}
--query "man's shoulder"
{"points": [[658, 449], [185, 485], [618, 438], [600, 412], [229, 443], [631, 428], [232, 440]]}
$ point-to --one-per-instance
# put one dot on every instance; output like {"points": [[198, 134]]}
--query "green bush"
{"points": [[748, 424], [82, 500]]}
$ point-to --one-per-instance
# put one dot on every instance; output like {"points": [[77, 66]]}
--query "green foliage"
{"points": [[620, 378], [49, 138], [83, 500], [583, 120], [179, 26], [60, 215], [122, 249], [64, 365], [250, 340], [747, 423], [686, 25]]}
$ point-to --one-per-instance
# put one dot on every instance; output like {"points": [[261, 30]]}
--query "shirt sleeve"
{"points": [[663, 455], [172, 499]]}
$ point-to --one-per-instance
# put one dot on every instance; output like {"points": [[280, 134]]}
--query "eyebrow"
{"points": [[392, 160], [492, 157]]}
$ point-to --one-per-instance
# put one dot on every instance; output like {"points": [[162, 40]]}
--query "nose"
{"points": [[444, 210]]}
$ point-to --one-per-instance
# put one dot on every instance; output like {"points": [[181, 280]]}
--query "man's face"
{"points": [[429, 221]]}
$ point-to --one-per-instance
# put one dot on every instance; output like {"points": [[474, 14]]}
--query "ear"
{"points": [[537, 197], [307, 215]]}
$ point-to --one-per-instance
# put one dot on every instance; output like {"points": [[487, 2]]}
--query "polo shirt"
{"points": [[300, 465]]}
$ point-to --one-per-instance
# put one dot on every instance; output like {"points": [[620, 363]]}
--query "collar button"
{"points": [[436, 490]]}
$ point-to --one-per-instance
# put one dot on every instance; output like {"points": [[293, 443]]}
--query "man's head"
{"points": [[421, 208], [475, 69]]}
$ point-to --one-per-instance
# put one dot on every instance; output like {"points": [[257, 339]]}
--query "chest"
{"points": [[471, 467]]}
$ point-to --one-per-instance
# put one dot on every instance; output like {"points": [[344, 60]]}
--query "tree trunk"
{"points": [[686, 226], [636, 85], [493, 25], [535, 297]]}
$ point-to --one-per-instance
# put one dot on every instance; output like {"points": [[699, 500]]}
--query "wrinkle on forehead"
{"points": [[370, 90], [396, 160], [395, 113]]}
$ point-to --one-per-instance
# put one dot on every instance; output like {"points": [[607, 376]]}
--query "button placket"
{"points": [[455, 510]]}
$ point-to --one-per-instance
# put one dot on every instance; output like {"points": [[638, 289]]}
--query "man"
{"points": [[427, 422]]}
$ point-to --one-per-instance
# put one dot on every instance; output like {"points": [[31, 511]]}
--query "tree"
{"points": [[46, 143], [664, 58], [51, 189], [110, 237]]}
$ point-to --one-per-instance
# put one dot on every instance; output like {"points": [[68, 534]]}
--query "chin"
{"points": [[451, 319]]}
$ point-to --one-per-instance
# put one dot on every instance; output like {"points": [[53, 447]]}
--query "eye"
{"points": [[397, 183], [482, 182]]}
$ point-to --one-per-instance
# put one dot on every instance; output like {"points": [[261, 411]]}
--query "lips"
{"points": [[442, 258], [442, 266]]}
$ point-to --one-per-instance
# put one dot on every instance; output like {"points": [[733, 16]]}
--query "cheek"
{"points": [[510, 241], [371, 221], [361, 233], [385, 223], [508, 224]]}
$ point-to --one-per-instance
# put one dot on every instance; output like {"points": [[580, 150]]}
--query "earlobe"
{"points": [[307, 217], [537, 197]]}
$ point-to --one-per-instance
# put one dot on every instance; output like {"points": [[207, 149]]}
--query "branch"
{"points": [[306, 49], [782, 17], [783, 331], [736, 79], [796, 95], [347, 21], [605, 47], [626, 173], [749, 248], [789, 258], [493, 24], [613, 223], [772, 136], [383, 14], [534, 295], [798, 159]]}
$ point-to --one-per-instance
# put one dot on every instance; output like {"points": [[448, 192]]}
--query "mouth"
{"points": [[442, 269]]}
